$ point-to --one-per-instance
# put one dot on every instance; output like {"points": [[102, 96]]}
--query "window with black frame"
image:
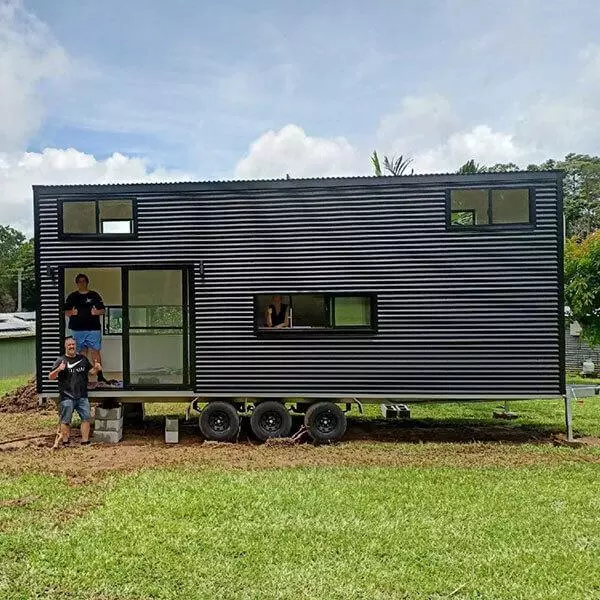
{"points": [[97, 218], [315, 312], [490, 207]]}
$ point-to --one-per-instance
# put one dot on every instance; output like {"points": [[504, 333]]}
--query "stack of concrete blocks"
{"points": [[108, 425], [171, 430]]}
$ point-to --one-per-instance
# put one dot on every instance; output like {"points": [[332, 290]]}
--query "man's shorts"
{"points": [[67, 405], [87, 339]]}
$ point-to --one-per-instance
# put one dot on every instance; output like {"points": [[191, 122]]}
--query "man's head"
{"points": [[70, 346], [277, 299], [82, 282]]}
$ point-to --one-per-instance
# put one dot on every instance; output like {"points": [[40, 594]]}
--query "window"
{"points": [[472, 208], [113, 320], [97, 218], [315, 312]]}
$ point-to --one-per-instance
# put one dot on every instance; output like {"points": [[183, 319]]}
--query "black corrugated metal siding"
{"points": [[459, 313]]}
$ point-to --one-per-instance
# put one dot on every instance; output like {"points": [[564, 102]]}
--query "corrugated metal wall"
{"points": [[17, 356], [460, 313]]}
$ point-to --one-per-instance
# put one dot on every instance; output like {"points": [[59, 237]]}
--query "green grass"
{"points": [[306, 533], [10, 383]]}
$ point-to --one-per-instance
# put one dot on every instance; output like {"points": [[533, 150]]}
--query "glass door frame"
{"points": [[187, 332]]}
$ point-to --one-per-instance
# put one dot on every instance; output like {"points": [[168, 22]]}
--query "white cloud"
{"points": [[29, 57], [481, 143], [290, 151], [18, 172]]}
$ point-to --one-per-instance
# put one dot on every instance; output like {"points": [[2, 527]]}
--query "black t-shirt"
{"points": [[84, 320], [277, 318], [73, 381]]}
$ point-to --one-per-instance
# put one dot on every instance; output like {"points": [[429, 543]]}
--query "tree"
{"points": [[10, 243], [472, 167], [394, 166], [581, 193], [582, 284]]}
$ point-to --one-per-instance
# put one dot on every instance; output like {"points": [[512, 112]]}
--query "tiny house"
{"points": [[261, 297]]}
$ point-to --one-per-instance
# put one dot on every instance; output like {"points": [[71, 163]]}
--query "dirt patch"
{"points": [[22, 399], [18, 502], [367, 443]]}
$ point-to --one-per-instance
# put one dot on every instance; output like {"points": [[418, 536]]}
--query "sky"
{"points": [[150, 90]]}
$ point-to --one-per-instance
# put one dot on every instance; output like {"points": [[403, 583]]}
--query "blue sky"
{"points": [[238, 89]]}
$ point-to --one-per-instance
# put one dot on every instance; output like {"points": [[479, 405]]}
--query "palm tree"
{"points": [[472, 167], [395, 166]]}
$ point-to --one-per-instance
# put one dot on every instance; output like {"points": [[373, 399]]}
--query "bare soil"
{"points": [[25, 446], [22, 399], [27, 433]]}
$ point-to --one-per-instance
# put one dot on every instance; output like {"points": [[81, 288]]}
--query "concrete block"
{"points": [[172, 437], [109, 413], [171, 424], [109, 424], [108, 437]]}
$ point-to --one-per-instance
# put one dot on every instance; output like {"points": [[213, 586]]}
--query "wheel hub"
{"points": [[326, 422], [271, 421], [219, 421]]}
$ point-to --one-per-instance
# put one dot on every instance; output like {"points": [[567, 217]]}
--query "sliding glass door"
{"points": [[156, 328]]}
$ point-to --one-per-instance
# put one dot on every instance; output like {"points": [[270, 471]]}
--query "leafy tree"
{"points": [[394, 166], [582, 284], [581, 193], [10, 243], [503, 168]]}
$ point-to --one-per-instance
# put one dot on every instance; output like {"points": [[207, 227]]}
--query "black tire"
{"points": [[271, 419], [325, 422], [219, 422]]}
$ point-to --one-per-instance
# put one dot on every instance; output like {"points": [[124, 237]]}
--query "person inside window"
{"points": [[277, 314], [84, 307]]}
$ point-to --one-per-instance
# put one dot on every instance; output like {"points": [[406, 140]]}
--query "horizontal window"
{"points": [[97, 218], [315, 312], [490, 207]]}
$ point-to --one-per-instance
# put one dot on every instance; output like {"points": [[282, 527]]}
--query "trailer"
{"points": [[262, 298]]}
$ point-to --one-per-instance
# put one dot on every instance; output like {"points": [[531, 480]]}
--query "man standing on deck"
{"points": [[84, 307], [72, 370]]}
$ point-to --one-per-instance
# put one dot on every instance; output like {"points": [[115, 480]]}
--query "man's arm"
{"points": [[286, 320], [98, 308], [59, 366], [69, 306]]}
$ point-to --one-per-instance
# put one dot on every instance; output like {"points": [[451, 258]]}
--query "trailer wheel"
{"points": [[325, 422], [219, 422], [271, 419]]}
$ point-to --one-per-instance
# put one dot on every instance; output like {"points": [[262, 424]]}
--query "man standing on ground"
{"points": [[72, 370], [84, 307]]}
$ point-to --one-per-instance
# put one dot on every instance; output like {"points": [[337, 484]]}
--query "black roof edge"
{"points": [[318, 182]]}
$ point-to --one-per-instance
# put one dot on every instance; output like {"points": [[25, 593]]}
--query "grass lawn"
{"points": [[526, 525], [340, 533]]}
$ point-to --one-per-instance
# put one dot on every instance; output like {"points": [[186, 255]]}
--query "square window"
{"points": [[469, 202], [510, 206], [79, 217], [354, 311]]}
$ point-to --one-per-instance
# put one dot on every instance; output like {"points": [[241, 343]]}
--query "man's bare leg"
{"points": [[96, 357], [85, 431], [62, 435]]}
